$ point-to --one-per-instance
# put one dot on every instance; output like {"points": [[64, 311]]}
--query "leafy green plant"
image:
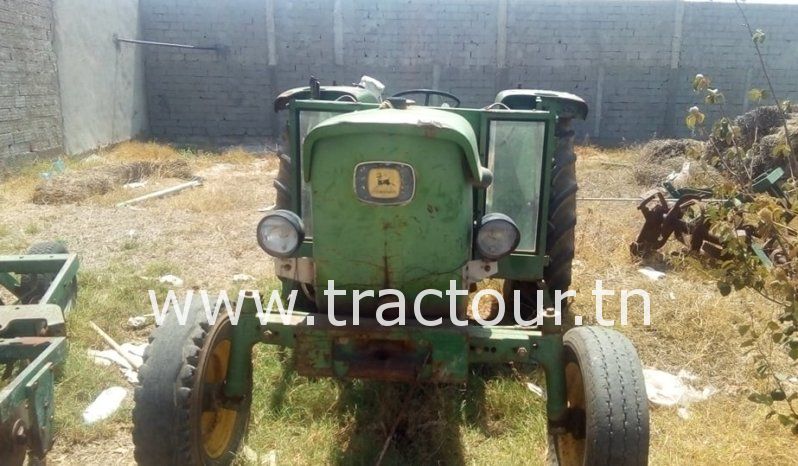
{"points": [[772, 344], [760, 244]]}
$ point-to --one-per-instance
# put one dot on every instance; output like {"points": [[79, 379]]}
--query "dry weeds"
{"points": [[693, 328], [660, 158], [75, 186]]}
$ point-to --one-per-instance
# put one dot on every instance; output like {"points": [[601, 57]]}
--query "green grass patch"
{"points": [[323, 421], [107, 297]]}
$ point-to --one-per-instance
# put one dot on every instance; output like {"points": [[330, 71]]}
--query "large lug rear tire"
{"points": [[607, 422], [283, 188], [33, 286], [282, 184], [181, 416], [560, 236]]}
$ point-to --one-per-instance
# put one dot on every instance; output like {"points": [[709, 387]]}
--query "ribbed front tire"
{"points": [[607, 422]]}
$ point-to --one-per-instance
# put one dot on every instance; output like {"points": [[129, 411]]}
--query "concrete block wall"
{"points": [[631, 60], [64, 83], [716, 43], [30, 111], [65, 86], [201, 95]]}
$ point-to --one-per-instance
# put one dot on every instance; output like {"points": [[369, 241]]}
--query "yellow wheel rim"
{"points": [[217, 424], [572, 450]]}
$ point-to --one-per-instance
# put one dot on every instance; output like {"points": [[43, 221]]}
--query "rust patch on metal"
{"points": [[662, 222]]}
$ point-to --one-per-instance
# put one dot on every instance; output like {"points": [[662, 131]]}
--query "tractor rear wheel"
{"points": [[560, 236], [282, 184], [282, 187], [182, 416], [607, 421], [33, 286]]}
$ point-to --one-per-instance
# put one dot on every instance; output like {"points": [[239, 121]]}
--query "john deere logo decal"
{"points": [[388, 183]]}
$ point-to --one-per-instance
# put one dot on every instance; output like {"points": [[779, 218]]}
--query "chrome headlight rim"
{"points": [[293, 220], [497, 217]]}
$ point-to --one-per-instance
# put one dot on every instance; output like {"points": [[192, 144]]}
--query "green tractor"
{"points": [[388, 212]]}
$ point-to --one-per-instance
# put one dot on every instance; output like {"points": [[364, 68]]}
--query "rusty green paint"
{"points": [[427, 354], [246, 333], [403, 354], [524, 266], [31, 336], [421, 123], [420, 245]]}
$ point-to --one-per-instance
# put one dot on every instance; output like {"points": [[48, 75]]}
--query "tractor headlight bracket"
{"points": [[280, 233], [497, 236]]}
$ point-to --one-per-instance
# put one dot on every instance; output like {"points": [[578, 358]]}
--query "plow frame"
{"points": [[33, 336]]}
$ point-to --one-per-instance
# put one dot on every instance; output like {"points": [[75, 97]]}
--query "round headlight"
{"points": [[497, 236], [280, 233]]}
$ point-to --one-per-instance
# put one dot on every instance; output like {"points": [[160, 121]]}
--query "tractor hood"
{"points": [[412, 121], [392, 197]]}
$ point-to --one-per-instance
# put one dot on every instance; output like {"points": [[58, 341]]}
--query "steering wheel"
{"points": [[427, 93]]}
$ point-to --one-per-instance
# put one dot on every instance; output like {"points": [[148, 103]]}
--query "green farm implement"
{"points": [[42, 286], [388, 214]]}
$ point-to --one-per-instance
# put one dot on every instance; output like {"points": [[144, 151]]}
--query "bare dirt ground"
{"points": [[207, 235]]}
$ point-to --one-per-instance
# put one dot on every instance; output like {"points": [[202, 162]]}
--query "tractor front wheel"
{"points": [[182, 416], [607, 418]]}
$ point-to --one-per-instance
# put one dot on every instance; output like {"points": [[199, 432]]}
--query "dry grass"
{"points": [[693, 328], [134, 151], [75, 186], [100, 176], [206, 235]]}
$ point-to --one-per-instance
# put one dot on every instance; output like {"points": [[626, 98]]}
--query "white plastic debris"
{"points": [[134, 352], [136, 349], [268, 208], [242, 277], [536, 389], [106, 357], [250, 456], [137, 322], [681, 178], [373, 86], [651, 273], [105, 405], [171, 280], [670, 390], [135, 184], [100, 360], [131, 376]]}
